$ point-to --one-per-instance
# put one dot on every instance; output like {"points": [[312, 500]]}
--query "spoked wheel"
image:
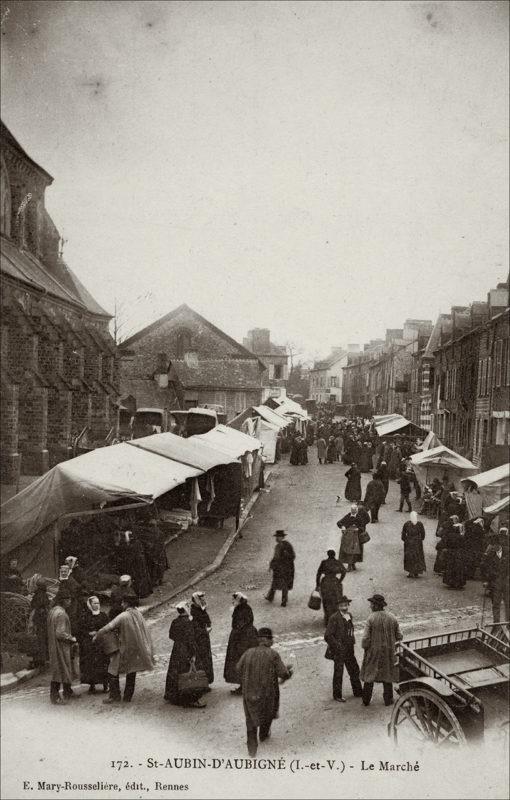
{"points": [[421, 715]]}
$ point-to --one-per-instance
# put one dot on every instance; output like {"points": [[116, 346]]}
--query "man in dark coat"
{"points": [[381, 634], [495, 563], [242, 636], [282, 565], [340, 639], [382, 469], [405, 491], [329, 579], [374, 496], [259, 669]]}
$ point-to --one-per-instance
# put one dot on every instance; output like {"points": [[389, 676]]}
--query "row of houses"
{"points": [[63, 377], [451, 377]]}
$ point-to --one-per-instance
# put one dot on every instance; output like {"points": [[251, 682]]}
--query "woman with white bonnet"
{"points": [[413, 534], [242, 636], [201, 627], [184, 654]]}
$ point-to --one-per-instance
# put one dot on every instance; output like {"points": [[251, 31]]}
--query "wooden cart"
{"points": [[445, 683]]}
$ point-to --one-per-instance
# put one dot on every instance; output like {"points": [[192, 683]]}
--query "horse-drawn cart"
{"points": [[445, 684]]}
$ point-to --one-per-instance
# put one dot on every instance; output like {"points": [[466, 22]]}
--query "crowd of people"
{"points": [[96, 639]]}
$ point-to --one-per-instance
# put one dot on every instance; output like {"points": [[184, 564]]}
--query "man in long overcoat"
{"points": [[339, 636], [374, 496], [60, 642], [282, 565], [381, 634], [259, 669], [136, 652]]}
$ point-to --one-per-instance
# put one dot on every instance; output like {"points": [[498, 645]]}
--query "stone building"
{"points": [[327, 376], [59, 362], [470, 396], [275, 359], [203, 365]]}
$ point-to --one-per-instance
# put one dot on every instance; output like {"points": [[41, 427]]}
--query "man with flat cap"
{"points": [[282, 565], [339, 636], [259, 669], [379, 641]]}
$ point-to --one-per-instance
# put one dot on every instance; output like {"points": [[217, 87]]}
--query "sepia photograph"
{"points": [[255, 399]]}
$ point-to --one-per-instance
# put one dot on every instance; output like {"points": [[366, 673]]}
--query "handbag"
{"points": [[315, 601], [193, 681], [109, 642], [363, 537]]}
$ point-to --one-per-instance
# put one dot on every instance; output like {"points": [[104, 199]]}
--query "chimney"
{"points": [[260, 341], [353, 348]]}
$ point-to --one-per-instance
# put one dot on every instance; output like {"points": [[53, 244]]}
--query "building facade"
{"points": [[59, 378], [327, 376], [275, 359], [201, 364]]}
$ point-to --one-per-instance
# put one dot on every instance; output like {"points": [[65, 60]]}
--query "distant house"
{"points": [[326, 376], [182, 360], [275, 359]]}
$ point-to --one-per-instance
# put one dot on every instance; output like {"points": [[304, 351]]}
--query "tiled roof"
{"points": [[218, 373]]}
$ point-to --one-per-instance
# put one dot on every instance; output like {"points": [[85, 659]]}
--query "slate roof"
{"points": [[243, 352]]}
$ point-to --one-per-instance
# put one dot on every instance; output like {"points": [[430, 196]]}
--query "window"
{"points": [[183, 342], [278, 372], [498, 362], [220, 399]]}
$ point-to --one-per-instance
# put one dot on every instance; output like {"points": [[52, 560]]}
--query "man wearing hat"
{"points": [[379, 641], [282, 565], [339, 636], [259, 669]]}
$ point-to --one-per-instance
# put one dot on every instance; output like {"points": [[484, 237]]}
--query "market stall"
{"points": [[486, 488], [439, 462]]}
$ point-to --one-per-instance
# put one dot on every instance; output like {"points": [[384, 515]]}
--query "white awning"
{"points": [[498, 506], [442, 456], [493, 477], [230, 441], [272, 416]]}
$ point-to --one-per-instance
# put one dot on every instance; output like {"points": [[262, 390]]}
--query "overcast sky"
{"points": [[323, 169]]}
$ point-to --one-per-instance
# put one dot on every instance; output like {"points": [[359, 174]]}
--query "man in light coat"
{"points": [[381, 634], [135, 652]]}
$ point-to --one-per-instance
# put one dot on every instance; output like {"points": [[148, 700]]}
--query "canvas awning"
{"points": [[230, 441], [272, 416], [486, 488], [192, 451], [430, 441], [442, 456], [396, 423], [498, 506], [437, 461], [89, 481], [288, 406]]}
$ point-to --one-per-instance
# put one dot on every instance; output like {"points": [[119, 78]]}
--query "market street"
{"points": [[303, 501]]}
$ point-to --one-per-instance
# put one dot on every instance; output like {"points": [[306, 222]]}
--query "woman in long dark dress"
{"points": [[331, 451], [242, 636], [453, 543], [353, 485], [184, 654], [413, 534], [329, 579], [40, 606], [202, 626], [93, 662], [130, 560]]}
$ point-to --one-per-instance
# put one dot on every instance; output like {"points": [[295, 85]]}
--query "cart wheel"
{"points": [[423, 715]]}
